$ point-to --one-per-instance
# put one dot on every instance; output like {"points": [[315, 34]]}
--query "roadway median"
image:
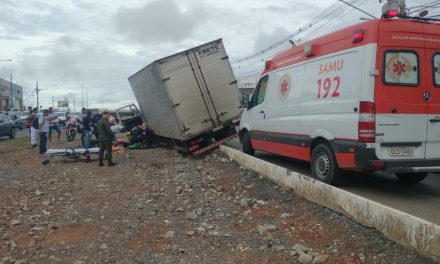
{"points": [[409, 231]]}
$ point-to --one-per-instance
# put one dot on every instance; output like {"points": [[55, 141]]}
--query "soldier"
{"points": [[105, 138]]}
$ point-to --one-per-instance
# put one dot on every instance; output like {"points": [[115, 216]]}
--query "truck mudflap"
{"points": [[213, 145]]}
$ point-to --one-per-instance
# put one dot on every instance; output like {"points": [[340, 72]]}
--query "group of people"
{"points": [[98, 124]]}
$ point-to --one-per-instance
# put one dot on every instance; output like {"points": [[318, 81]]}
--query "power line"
{"points": [[337, 12], [368, 14]]}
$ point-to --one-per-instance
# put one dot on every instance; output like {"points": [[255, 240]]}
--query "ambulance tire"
{"points": [[324, 165], [247, 145], [411, 177]]}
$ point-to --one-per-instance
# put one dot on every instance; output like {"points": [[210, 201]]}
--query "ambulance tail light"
{"points": [[391, 13], [358, 36], [367, 122]]}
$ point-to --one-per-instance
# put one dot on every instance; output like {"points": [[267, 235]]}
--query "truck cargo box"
{"points": [[188, 93]]}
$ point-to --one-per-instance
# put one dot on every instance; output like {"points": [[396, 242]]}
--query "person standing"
{"points": [[52, 120], [87, 124], [33, 126], [81, 126], [95, 119], [105, 138], [43, 130]]}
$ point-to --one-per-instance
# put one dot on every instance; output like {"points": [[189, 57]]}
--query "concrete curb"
{"points": [[409, 231]]}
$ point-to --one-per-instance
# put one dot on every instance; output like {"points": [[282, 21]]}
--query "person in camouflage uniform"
{"points": [[105, 139]]}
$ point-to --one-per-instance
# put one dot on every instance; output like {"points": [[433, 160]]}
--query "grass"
{"points": [[15, 143]]}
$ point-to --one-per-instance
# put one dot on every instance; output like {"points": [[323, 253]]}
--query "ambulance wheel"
{"points": [[411, 177], [324, 166], [247, 145]]}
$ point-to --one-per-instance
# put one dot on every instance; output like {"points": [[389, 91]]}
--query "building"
{"points": [[5, 96], [246, 89]]}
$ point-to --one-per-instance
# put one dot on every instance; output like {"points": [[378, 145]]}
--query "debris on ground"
{"points": [[156, 206]]}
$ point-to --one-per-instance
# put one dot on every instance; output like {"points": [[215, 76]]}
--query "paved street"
{"points": [[422, 200]]}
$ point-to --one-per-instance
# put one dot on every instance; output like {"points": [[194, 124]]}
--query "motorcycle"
{"points": [[72, 128]]}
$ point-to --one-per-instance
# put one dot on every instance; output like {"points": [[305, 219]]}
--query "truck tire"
{"points": [[324, 165], [411, 177], [247, 145]]}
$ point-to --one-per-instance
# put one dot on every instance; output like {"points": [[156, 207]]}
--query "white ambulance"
{"points": [[361, 99]]}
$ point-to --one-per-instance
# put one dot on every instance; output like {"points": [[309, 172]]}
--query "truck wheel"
{"points": [[247, 145], [411, 177], [324, 166]]}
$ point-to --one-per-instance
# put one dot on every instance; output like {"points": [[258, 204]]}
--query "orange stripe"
{"points": [[296, 152]]}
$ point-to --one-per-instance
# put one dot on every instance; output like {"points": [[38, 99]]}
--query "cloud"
{"points": [[157, 21], [265, 40]]}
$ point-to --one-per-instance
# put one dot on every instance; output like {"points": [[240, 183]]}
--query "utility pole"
{"points": [[82, 95], [38, 102], [402, 6], [11, 105], [87, 99]]}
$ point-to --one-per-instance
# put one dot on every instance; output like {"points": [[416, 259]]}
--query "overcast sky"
{"points": [[101, 43]]}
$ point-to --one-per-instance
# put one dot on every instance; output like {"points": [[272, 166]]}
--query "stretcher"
{"points": [[80, 154]]}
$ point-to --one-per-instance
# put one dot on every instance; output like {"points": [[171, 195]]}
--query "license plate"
{"points": [[401, 151]]}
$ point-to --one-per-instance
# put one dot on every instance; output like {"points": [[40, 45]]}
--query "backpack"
{"points": [[35, 123]]}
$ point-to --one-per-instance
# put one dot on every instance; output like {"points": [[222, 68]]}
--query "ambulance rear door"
{"points": [[401, 108], [432, 93]]}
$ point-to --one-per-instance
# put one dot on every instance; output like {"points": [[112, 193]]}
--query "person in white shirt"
{"points": [[43, 130]]}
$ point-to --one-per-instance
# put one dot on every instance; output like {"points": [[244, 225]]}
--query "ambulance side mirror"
{"points": [[435, 69]]}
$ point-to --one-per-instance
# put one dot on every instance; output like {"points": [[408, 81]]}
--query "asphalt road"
{"points": [[421, 200], [18, 134]]}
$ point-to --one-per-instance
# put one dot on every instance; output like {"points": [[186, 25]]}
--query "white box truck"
{"points": [[190, 99]]}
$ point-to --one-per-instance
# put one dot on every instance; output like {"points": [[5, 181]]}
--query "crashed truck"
{"points": [[190, 99]]}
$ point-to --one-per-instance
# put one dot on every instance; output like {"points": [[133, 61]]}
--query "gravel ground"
{"points": [[156, 206]]}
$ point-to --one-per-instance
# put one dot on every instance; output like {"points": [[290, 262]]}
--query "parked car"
{"points": [[61, 116], [24, 116], [16, 117], [7, 126]]}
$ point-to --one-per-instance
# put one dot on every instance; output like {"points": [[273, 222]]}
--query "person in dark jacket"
{"points": [[87, 125], [105, 138]]}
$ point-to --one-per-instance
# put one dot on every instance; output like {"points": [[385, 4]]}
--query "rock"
{"points": [[191, 216], [300, 248], [169, 235], [103, 247], [198, 211], [38, 193], [321, 259], [270, 228], [263, 231], [199, 168], [79, 262], [210, 178], [46, 203], [179, 210], [15, 222], [361, 257], [179, 189], [279, 248], [261, 202], [190, 233], [53, 226], [305, 258], [201, 229], [37, 228]]}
